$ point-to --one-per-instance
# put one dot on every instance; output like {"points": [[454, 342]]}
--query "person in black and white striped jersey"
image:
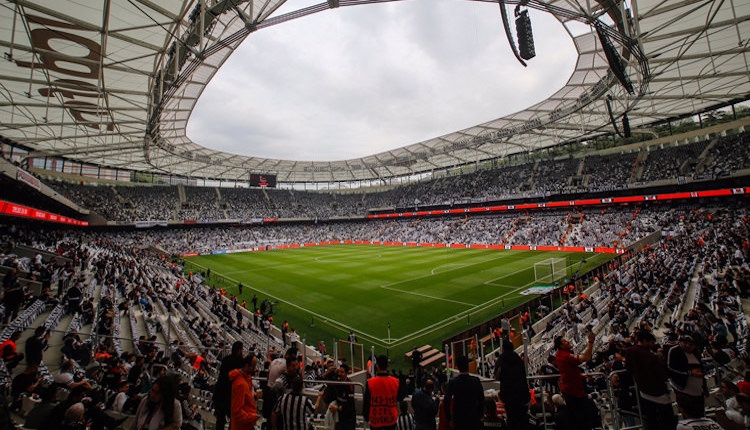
{"points": [[405, 419], [293, 409]]}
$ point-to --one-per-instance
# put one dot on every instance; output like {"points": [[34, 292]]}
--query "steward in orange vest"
{"points": [[380, 405]]}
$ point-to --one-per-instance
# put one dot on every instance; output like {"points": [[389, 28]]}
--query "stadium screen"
{"points": [[262, 180]]}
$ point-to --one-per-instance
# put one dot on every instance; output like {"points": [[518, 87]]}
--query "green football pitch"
{"points": [[392, 297]]}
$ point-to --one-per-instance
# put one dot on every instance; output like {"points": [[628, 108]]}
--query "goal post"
{"points": [[551, 270]]}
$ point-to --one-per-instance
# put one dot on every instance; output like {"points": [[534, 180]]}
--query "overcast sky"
{"points": [[355, 81]]}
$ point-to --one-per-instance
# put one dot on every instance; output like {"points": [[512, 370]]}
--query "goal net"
{"points": [[550, 270]]}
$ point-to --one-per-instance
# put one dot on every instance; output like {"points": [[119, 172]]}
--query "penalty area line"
{"points": [[427, 296]]}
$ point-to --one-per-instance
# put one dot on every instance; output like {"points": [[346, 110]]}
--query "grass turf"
{"points": [[426, 294]]}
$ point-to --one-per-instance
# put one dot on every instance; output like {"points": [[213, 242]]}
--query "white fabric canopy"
{"points": [[113, 83]]}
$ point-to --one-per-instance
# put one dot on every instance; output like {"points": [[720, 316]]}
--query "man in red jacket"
{"points": [[571, 382], [244, 412]]}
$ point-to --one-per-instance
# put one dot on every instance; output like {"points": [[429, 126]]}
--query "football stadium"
{"points": [[570, 253]]}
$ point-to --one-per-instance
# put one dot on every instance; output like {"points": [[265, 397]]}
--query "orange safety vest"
{"points": [[102, 356], [198, 361], [12, 352], [383, 401]]}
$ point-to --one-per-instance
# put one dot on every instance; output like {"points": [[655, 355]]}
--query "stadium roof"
{"points": [[113, 83]]}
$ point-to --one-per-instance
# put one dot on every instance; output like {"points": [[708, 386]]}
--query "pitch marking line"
{"points": [[451, 267], [492, 281], [433, 273], [322, 259], [336, 259], [504, 286], [427, 296], [451, 319], [446, 268]]}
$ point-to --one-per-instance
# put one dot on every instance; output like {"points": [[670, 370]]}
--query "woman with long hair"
{"points": [[160, 410]]}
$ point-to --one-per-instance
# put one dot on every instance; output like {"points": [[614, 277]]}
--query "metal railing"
{"points": [[606, 404]]}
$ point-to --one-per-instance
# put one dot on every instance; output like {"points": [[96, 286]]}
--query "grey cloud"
{"points": [[360, 80]]}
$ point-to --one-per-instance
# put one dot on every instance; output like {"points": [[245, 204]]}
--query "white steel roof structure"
{"points": [[113, 82]]}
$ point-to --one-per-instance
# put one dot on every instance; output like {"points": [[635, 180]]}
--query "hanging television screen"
{"points": [[257, 180]]}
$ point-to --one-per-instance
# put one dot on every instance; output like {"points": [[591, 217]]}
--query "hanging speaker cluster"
{"points": [[525, 49], [625, 120], [524, 34], [616, 63], [626, 126]]}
